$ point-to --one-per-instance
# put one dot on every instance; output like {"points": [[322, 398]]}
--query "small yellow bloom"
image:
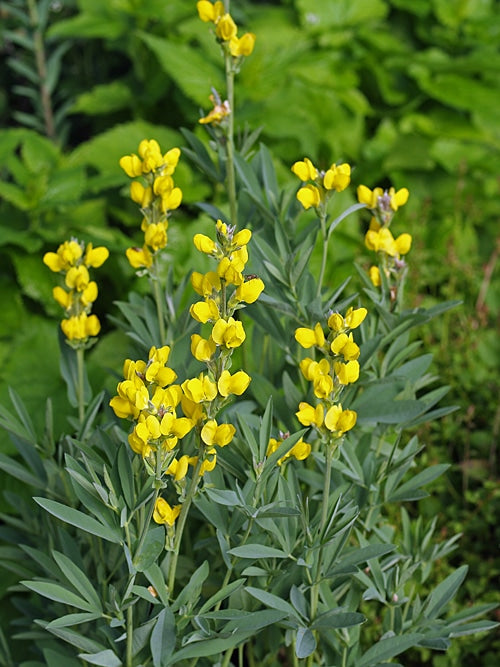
{"points": [[139, 258], [164, 514], [80, 327], [398, 198], [250, 290], [306, 338], [217, 114], [77, 277], [374, 275], [305, 170], [63, 298], [337, 177], [242, 237], [202, 349], [210, 12], [155, 235], [323, 386], [403, 244], [354, 317], [233, 384], [309, 415], [204, 244], [339, 421], [369, 197], [214, 434], [346, 373], [171, 200], [131, 165], [344, 344], [204, 311], [199, 389], [95, 257], [309, 196], [66, 256], [89, 294], [242, 46], [228, 333], [178, 468], [225, 28]]}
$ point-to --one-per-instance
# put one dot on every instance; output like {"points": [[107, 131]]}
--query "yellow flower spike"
{"points": [[344, 344], [95, 257], [309, 415], [307, 338], [374, 275], [250, 290], [309, 196], [403, 244], [398, 198], [346, 373], [214, 434], [354, 317], [337, 177], [139, 258], [131, 165], [228, 333], [204, 244], [205, 311], [226, 28], [242, 46], [202, 349], [63, 298], [340, 421], [233, 384], [305, 170], [164, 514]]}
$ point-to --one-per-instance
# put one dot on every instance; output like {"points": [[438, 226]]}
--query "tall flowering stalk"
{"points": [[337, 368], [383, 204], [73, 260], [157, 196]]}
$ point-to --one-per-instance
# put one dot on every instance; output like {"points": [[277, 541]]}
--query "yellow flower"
{"points": [[309, 196], [228, 270], [210, 12], [205, 284], [305, 170], [403, 244], [242, 46], [323, 386], [300, 450], [242, 237], [217, 114], [131, 165], [233, 384], [202, 349], [398, 198], [95, 257], [77, 277], [204, 311], [354, 317], [89, 294], [374, 275], [80, 327], [369, 197], [250, 290], [199, 389], [141, 195], [226, 28], [164, 514], [337, 177], [228, 333], [139, 258], [214, 434], [156, 235], [171, 200], [204, 244], [345, 345], [306, 338], [346, 373], [309, 415], [66, 256], [178, 468], [339, 421], [63, 298]]}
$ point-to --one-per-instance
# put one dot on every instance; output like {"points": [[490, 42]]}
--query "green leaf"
{"points": [[335, 618], [407, 490], [80, 520], [357, 556], [305, 644], [191, 592], [257, 551], [208, 647], [444, 592], [58, 593], [73, 619], [105, 658], [255, 620], [103, 98], [152, 548], [224, 497], [74, 638], [265, 429], [221, 594], [272, 601], [388, 648], [162, 641], [78, 579]]}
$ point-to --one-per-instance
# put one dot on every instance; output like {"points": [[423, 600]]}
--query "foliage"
{"points": [[404, 91]]}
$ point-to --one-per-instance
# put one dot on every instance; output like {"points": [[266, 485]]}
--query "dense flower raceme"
{"points": [[319, 185], [337, 368], [226, 29], [383, 204], [155, 193], [73, 260]]}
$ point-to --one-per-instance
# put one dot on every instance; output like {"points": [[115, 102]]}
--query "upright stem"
{"points": [[324, 257], [130, 636], [159, 301], [230, 174], [41, 65], [179, 528], [80, 389], [324, 517]]}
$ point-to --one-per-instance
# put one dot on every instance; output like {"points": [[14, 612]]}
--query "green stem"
{"points": [[159, 301], [324, 517], [179, 528], [41, 66], [130, 636], [80, 390], [230, 173], [324, 256]]}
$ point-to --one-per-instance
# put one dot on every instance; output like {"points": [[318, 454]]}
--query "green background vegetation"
{"points": [[405, 90]]}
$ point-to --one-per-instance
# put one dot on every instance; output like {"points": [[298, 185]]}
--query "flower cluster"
{"points": [[156, 195], [383, 204], [73, 260], [224, 291], [226, 29], [319, 185], [337, 368]]}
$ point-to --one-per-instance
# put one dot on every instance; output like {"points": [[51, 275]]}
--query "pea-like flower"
{"points": [[164, 514]]}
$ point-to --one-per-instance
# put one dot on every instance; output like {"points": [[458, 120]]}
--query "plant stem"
{"points": [[230, 175], [324, 517], [179, 528], [80, 389], [41, 66], [324, 256], [130, 635], [159, 301]]}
